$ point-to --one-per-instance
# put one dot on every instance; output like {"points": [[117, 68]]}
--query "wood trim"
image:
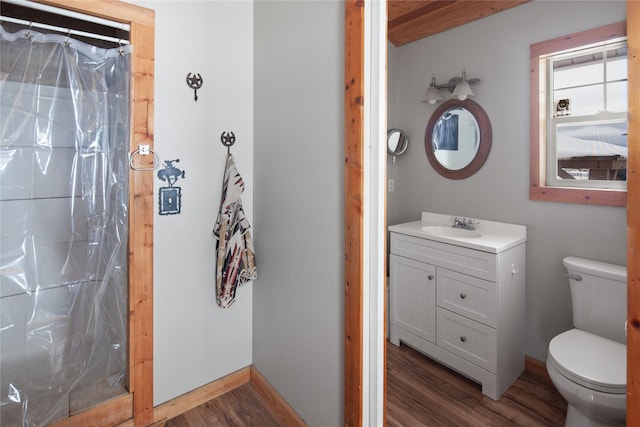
{"points": [[197, 397], [110, 413], [537, 122], [581, 38], [280, 408], [354, 190], [579, 195], [537, 368], [633, 216], [141, 203]]}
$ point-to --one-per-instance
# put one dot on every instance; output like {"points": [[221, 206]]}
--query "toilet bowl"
{"points": [[588, 364], [589, 371]]}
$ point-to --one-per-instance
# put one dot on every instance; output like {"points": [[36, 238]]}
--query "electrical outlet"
{"points": [[391, 186]]}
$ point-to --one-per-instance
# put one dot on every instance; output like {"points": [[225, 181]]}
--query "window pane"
{"points": [[617, 64], [617, 97], [579, 71], [592, 151], [582, 100]]}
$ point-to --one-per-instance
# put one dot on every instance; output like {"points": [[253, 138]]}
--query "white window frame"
{"points": [[552, 178], [542, 185]]}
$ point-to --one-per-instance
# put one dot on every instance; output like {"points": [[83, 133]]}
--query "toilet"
{"points": [[588, 364]]}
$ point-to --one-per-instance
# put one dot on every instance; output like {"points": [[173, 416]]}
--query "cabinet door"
{"points": [[413, 297]]}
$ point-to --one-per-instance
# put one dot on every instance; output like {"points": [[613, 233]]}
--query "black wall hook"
{"points": [[228, 139], [194, 82]]}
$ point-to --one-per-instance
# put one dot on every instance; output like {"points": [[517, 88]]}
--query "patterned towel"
{"points": [[234, 247]]}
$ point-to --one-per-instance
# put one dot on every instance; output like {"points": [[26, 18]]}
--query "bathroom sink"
{"points": [[440, 230]]}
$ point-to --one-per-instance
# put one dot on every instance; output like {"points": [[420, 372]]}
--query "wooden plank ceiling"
{"points": [[411, 20]]}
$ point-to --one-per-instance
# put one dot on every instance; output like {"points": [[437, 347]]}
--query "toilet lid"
{"points": [[590, 360]]}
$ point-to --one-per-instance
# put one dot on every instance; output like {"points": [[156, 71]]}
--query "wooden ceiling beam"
{"points": [[411, 20]]}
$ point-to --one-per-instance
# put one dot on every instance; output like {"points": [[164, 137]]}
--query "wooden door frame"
{"points": [[353, 200], [354, 192], [137, 405]]}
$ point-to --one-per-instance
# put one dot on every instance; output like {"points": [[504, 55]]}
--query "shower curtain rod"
{"points": [[70, 14], [63, 30]]}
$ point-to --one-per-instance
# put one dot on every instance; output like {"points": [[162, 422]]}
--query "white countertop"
{"points": [[495, 236]]}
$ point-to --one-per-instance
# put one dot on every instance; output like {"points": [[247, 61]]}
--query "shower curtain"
{"points": [[64, 118]]}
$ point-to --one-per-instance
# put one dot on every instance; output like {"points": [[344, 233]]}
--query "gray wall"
{"points": [[298, 319], [496, 50]]}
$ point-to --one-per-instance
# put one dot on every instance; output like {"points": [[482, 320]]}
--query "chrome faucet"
{"points": [[464, 223]]}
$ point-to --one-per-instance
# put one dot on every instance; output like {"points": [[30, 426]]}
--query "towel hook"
{"points": [[228, 139], [194, 82]]}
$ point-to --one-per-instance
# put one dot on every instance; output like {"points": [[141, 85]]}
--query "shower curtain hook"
{"points": [[121, 50], [67, 42], [29, 36]]}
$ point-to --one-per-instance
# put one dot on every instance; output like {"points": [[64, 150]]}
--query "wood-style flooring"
{"points": [[420, 392], [240, 407]]}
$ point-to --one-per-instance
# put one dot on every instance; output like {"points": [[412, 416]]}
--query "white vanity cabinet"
{"points": [[461, 303]]}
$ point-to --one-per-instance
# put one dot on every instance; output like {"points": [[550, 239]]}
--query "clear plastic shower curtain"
{"points": [[64, 185]]}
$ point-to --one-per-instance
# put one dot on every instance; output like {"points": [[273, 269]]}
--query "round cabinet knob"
{"points": [[463, 296], [430, 277], [463, 338], [514, 269]]}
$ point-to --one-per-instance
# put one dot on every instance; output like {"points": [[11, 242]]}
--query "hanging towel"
{"points": [[234, 248]]}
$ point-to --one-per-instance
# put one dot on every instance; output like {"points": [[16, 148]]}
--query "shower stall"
{"points": [[64, 223]]}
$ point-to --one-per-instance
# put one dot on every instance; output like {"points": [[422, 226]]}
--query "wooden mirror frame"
{"points": [[485, 139]]}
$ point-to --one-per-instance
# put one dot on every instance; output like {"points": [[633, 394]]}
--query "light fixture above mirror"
{"points": [[460, 88]]}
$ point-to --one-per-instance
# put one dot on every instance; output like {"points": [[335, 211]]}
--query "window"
{"points": [[579, 117]]}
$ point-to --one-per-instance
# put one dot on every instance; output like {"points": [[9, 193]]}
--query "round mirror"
{"points": [[458, 138], [397, 143]]}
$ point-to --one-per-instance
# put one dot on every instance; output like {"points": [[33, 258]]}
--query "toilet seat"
{"points": [[592, 361]]}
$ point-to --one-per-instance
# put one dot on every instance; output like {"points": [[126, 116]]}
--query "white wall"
{"points": [[496, 50], [298, 296], [195, 341]]}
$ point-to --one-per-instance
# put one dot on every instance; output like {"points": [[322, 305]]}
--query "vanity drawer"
{"points": [[468, 261], [468, 339], [467, 295]]}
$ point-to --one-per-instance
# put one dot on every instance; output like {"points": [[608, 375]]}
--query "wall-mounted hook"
{"points": [[194, 82], [228, 139]]}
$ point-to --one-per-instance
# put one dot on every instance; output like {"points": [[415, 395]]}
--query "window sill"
{"points": [[579, 195]]}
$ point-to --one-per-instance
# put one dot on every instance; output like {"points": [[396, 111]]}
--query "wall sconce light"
{"points": [[433, 93], [459, 87]]}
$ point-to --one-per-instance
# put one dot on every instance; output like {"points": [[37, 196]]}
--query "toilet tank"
{"points": [[599, 299]]}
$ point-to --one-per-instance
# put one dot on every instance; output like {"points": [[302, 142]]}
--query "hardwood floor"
{"points": [[420, 392], [240, 407]]}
